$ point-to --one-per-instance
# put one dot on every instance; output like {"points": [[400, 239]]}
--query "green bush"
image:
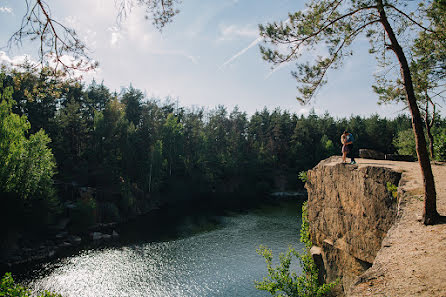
{"points": [[440, 144], [282, 282], [404, 142], [392, 189], [9, 288], [303, 176]]}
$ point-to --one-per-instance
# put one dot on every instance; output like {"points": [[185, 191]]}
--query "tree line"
{"points": [[115, 155]]}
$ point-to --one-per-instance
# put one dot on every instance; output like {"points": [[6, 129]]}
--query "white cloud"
{"points": [[231, 32], [15, 61], [5, 9]]}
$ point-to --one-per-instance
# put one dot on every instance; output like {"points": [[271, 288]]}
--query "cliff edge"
{"points": [[370, 240]]}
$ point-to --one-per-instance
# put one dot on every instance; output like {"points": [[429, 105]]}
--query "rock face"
{"points": [[350, 211]]}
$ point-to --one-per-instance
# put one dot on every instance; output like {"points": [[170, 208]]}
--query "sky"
{"points": [[208, 56]]}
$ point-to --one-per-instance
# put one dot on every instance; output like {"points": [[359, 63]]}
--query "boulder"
{"points": [[75, 240], [115, 234], [96, 236], [371, 154]]}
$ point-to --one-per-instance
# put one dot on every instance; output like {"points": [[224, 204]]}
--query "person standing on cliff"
{"points": [[344, 146], [349, 143]]}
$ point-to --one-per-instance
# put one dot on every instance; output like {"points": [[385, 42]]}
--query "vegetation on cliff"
{"points": [[281, 281]]}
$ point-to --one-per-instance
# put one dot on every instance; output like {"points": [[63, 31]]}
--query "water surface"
{"points": [[220, 261]]}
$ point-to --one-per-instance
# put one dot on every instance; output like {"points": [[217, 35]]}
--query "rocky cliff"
{"points": [[350, 210]]}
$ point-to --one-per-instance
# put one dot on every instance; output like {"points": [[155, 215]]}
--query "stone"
{"points": [[75, 240], [316, 254], [61, 235], [371, 154], [96, 236], [65, 244]]}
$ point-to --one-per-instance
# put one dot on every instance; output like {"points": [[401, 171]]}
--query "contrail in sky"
{"points": [[254, 43]]}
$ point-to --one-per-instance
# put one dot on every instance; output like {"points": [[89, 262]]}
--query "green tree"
{"points": [[26, 163], [132, 100], [404, 142], [337, 24]]}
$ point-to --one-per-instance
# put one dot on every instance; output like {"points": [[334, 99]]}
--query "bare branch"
{"points": [[409, 18]]}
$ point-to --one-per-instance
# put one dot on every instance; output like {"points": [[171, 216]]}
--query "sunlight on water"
{"points": [[221, 262]]}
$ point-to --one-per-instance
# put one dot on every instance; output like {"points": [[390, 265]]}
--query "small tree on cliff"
{"points": [[337, 23]]}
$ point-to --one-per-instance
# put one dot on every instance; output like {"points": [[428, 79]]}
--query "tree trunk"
{"points": [[430, 214]]}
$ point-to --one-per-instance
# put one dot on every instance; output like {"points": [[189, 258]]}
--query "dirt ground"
{"points": [[412, 260]]}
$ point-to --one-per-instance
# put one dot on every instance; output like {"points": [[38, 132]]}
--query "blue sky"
{"points": [[206, 57]]}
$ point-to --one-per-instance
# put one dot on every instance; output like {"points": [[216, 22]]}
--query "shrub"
{"points": [[440, 144], [303, 176], [9, 288], [282, 282], [392, 189], [404, 142]]}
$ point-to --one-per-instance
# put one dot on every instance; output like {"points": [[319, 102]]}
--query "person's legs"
{"points": [[344, 154], [352, 158]]}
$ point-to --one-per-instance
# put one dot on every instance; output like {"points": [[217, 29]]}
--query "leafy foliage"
{"points": [[303, 176], [440, 144], [9, 288], [405, 143], [281, 282], [26, 163], [393, 189]]}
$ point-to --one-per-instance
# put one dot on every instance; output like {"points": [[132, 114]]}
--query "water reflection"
{"points": [[221, 262]]}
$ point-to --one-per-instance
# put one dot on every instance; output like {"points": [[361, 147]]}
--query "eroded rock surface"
{"points": [[350, 210]]}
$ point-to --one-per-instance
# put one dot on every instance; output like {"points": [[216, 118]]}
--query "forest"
{"points": [[80, 150]]}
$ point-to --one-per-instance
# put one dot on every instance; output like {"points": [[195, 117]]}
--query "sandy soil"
{"points": [[412, 260]]}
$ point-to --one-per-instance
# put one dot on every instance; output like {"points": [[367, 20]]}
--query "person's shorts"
{"points": [[345, 149]]}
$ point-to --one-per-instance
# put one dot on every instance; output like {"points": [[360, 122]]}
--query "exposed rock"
{"points": [[61, 235], [371, 154], [96, 236], [65, 244], [106, 236], [316, 254], [75, 240], [395, 157], [349, 210]]}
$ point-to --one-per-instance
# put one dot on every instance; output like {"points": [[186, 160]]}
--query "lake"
{"points": [[203, 257]]}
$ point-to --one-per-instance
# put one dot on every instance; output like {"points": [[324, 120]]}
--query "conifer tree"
{"points": [[337, 23]]}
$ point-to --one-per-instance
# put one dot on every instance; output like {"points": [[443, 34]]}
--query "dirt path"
{"points": [[412, 260]]}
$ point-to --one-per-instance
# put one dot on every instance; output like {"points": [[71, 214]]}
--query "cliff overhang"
{"points": [[350, 210]]}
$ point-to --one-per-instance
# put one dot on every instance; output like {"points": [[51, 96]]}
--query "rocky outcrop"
{"points": [[350, 210]]}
